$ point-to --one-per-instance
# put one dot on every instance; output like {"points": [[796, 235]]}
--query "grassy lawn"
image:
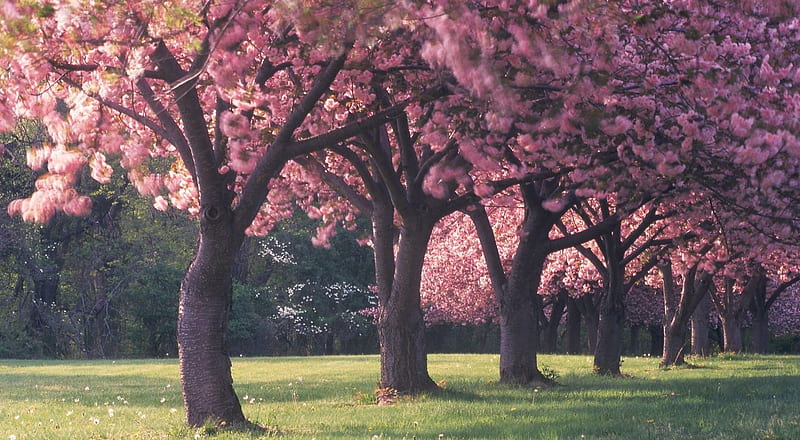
{"points": [[735, 398]]}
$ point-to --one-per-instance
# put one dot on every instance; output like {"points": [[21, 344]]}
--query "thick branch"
{"points": [[173, 131], [780, 289], [310, 100], [488, 242], [194, 124], [336, 183], [590, 233]]}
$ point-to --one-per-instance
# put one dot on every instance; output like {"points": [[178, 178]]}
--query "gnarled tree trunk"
{"points": [[205, 303], [518, 312], [401, 329]]}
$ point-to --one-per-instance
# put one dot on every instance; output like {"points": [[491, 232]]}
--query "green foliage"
{"points": [[301, 299], [786, 344], [152, 304]]}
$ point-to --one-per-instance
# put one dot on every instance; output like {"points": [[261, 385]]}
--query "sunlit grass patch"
{"points": [[727, 397]]}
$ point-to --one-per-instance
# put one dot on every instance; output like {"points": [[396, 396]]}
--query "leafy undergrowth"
{"points": [[726, 397]]}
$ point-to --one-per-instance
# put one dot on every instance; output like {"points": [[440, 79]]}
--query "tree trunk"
{"points": [[759, 309], [608, 352], [731, 334], [516, 293], [550, 336], [205, 303], [573, 327], [701, 345], [401, 329], [678, 310], [674, 345], [519, 335]]}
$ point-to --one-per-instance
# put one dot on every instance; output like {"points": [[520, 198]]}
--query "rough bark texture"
{"points": [[518, 312], [674, 346], [608, 351], [518, 344], [401, 329], [205, 302]]}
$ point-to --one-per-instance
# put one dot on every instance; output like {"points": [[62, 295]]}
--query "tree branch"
{"points": [[480, 219], [336, 183], [310, 100]]}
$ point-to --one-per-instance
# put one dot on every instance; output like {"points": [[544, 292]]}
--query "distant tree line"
{"points": [[106, 285]]}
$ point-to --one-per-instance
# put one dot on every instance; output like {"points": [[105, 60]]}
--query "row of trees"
{"points": [[645, 135]]}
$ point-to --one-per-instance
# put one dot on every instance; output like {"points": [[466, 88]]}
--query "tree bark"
{"points": [[401, 328], [608, 349], [701, 345], [731, 334], [678, 310], [518, 344], [205, 303], [608, 352], [518, 312]]}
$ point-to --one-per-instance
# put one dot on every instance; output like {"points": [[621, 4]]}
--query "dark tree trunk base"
{"points": [[404, 367]]}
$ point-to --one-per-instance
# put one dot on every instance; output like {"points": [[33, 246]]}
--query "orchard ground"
{"points": [[723, 397]]}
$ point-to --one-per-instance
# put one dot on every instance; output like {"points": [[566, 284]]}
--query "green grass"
{"points": [[726, 397]]}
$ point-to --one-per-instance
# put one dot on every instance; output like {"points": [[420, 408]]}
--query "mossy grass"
{"points": [[722, 397]]}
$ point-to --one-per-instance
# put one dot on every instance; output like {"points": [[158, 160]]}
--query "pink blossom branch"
{"points": [[173, 131], [310, 100], [338, 184], [194, 125]]}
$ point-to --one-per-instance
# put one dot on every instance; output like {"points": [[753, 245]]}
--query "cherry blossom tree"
{"points": [[784, 314], [622, 256], [781, 279], [204, 103]]}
